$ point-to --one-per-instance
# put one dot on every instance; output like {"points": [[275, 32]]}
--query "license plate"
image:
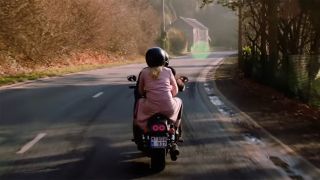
{"points": [[158, 142]]}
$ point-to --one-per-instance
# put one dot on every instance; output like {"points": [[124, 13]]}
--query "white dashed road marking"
{"points": [[97, 95], [26, 147]]}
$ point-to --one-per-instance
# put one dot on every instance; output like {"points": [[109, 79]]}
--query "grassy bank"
{"points": [[52, 72]]}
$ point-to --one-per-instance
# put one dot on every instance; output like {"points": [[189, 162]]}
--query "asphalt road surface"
{"points": [[79, 127]]}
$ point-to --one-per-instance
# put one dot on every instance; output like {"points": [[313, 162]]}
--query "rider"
{"points": [[158, 87]]}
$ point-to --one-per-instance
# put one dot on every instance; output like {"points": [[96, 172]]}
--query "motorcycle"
{"points": [[161, 136]]}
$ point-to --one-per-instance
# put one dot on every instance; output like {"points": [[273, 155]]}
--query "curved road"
{"points": [[79, 127]]}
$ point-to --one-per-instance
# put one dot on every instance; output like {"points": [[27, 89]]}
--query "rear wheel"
{"points": [[158, 159]]}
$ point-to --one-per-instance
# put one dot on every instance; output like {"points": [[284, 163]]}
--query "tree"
{"points": [[283, 37]]}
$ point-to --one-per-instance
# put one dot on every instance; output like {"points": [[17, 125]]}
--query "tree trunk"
{"points": [[272, 19]]}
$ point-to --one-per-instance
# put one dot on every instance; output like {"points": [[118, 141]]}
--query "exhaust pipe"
{"points": [[174, 152], [175, 149]]}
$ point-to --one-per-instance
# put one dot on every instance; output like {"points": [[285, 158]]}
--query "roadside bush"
{"points": [[177, 41], [40, 32]]}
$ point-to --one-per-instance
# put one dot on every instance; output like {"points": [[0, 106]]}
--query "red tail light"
{"points": [[162, 127], [158, 127], [155, 128]]}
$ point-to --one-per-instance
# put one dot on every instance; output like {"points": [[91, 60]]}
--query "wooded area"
{"points": [[44, 33], [279, 44]]}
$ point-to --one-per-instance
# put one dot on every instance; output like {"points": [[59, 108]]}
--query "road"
{"points": [[78, 126]]}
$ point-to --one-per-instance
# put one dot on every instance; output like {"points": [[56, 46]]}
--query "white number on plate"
{"points": [[158, 142]]}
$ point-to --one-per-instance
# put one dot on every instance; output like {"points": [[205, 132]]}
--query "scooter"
{"points": [[160, 138]]}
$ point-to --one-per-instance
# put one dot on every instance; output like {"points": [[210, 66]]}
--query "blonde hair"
{"points": [[155, 72]]}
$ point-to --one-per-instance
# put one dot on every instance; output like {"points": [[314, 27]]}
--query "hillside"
{"points": [[37, 34]]}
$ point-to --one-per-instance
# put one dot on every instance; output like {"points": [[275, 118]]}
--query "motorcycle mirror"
{"points": [[132, 78], [184, 79]]}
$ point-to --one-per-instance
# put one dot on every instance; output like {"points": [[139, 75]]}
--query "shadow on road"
{"points": [[83, 133], [100, 161]]}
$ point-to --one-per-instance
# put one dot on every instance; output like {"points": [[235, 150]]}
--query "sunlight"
{"points": [[200, 50]]}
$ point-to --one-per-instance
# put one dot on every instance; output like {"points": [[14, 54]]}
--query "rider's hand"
{"points": [[180, 84]]}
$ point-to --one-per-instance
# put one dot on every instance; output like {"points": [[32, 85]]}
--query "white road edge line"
{"points": [[97, 95], [27, 146]]}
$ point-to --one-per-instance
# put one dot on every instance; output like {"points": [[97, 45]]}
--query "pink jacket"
{"points": [[159, 96]]}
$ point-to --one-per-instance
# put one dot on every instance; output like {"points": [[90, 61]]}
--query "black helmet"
{"points": [[156, 57], [166, 60]]}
